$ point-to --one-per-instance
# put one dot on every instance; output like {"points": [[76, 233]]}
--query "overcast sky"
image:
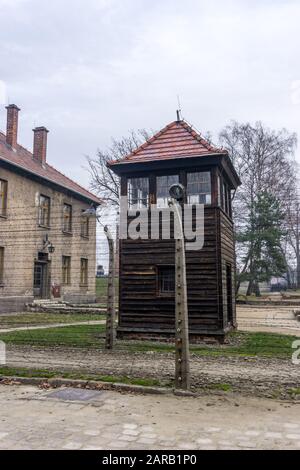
{"points": [[93, 69]]}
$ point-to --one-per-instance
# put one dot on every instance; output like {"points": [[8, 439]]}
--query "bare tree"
{"points": [[293, 236], [264, 161], [103, 181]]}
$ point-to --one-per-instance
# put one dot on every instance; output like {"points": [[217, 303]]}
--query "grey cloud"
{"points": [[94, 69]]}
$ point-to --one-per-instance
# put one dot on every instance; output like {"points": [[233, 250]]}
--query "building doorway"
{"points": [[229, 293], [41, 285]]}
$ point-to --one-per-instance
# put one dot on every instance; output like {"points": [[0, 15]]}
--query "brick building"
{"points": [[47, 247]]}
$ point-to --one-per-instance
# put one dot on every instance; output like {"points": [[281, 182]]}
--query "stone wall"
{"points": [[13, 304]]}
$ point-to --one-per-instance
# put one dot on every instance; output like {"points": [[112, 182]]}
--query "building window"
{"points": [[3, 198], [44, 211], [163, 185], [138, 192], [1, 265], [66, 270], [166, 280], [199, 188], [84, 272], [67, 218], [84, 226]]}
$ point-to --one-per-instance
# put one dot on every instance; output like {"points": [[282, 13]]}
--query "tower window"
{"points": [[199, 188], [163, 186], [166, 280], [138, 192]]}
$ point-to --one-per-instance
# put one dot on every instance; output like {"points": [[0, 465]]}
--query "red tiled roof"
{"points": [[22, 158], [176, 140]]}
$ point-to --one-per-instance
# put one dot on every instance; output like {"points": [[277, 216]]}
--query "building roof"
{"points": [[176, 140], [23, 159]]}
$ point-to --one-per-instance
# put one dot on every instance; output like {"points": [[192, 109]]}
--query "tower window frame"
{"points": [[199, 187], [165, 280], [138, 192]]}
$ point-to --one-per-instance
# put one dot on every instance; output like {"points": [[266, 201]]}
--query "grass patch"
{"points": [[36, 319], [294, 391], [242, 344], [223, 387], [101, 288], [246, 344], [84, 336], [48, 374]]}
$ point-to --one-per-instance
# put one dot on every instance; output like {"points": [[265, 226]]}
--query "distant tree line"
{"points": [[266, 208]]}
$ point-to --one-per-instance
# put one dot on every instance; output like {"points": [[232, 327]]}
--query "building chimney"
{"points": [[40, 144], [12, 125]]}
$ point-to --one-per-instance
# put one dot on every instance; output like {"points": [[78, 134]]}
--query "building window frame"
{"points": [[44, 211], [84, 272], [3, 197], [67, 216], [66, 270], [84, 225], [2, 255]]}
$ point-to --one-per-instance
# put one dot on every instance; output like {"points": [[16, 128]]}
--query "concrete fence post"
{"points": [[111, 311]]}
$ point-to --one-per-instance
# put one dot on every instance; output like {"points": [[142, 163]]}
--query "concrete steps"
{"points": [[58, 306]]}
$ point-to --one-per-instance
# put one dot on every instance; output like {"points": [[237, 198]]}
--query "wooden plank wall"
{"points": [[227, 257], [141, 306]]}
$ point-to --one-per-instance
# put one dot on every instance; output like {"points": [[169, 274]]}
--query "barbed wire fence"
{"points": [[71, 342]]}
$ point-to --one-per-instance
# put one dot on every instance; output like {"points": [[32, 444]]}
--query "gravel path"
{"points": [[259, 376]]}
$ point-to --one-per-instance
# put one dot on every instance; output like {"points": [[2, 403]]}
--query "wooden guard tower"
{"points": [[147, 267]]}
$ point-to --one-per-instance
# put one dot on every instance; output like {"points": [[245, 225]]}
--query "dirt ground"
{"points": [[251, 376]]}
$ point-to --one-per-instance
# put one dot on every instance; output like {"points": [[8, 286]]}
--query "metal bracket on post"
{"points": [[182, 365], [111, 312]]}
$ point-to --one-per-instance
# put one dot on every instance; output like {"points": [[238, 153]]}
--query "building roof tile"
{"points": [[177, 140], [23, 158]]}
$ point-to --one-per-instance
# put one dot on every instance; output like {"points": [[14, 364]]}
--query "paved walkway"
{"points": [[51, 325], [269, 319], [32, 418]]}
